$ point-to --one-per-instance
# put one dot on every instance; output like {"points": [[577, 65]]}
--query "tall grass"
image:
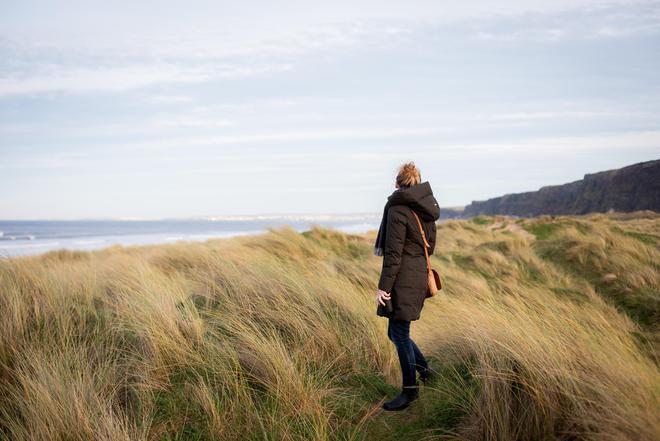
{"points": [[547, 328]]}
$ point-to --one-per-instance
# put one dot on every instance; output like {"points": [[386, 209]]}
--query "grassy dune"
{"points": [[547, 328]]}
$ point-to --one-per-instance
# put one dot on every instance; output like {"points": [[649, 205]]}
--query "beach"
{"points": [[25, 237]]}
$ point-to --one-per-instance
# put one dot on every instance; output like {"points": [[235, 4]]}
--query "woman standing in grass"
{"points": [[403, 279]]}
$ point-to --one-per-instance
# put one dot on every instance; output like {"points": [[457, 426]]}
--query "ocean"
{"points": [[23, 237]]}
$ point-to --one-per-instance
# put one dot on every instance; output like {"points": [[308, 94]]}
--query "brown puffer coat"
{"points": [[404, 272]]}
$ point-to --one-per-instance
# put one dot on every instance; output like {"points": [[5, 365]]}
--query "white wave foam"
{"points": [[295, 217], [358, 228], [30, 245], [88, 242], [224, 234]]}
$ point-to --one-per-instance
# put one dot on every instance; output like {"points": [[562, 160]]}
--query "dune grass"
{"points": [[547, 328]]}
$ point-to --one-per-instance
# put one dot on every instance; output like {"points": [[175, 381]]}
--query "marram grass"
{"points": [[546, 329]]}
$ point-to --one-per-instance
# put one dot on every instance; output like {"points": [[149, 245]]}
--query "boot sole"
{"points": [[397, 408]]}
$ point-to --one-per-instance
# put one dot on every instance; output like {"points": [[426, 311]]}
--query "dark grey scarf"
{"points": [[380, 238]]}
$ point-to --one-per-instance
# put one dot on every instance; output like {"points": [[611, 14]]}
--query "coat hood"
{"points": [[418, 197]]}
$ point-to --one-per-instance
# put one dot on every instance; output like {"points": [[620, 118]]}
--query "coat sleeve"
{"points": [[395, 238], [431, 239]]}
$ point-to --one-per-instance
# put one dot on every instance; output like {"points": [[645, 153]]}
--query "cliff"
{"points": [[635, 187]]}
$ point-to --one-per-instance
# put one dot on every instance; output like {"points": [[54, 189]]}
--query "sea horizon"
{"points": [[20, 237]]}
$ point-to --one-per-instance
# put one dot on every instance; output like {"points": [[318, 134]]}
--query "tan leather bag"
{"points": [[434, 284]]}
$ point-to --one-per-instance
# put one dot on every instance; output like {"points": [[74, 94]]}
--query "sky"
{"points": [[129, 109]]}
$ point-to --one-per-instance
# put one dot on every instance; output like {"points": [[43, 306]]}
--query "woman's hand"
{"points": [[381, 296]]}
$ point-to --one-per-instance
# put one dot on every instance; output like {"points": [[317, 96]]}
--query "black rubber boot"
{"points": [[408, 395]]}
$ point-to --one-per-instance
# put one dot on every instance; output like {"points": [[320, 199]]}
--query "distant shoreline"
{"points": [[24, 238]]}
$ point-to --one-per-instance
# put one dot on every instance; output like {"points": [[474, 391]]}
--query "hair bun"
{"points": [[408, 175]]}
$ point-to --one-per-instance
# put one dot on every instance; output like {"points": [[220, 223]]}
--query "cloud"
{"points": [[74, 79], [644, 140], [604, 20], [36, 66], [134, 98], [170, 99], [40, 63], [288, 137]]}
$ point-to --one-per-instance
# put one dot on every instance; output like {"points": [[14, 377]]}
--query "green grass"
{"points": [[571, 294], [275, 337], [482, 220], [542, 230], [639, 302], [647, 238], [439, 410]]}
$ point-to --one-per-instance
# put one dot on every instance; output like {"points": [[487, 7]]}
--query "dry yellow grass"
{"points": [[275, 337]]}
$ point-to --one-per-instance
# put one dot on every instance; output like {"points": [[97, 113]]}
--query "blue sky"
{"points": [[176, 109]]}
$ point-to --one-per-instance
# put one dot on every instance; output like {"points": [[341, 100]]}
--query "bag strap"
{"points": [[426, 244]]}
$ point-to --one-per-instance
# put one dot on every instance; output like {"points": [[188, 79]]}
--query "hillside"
{"points": [[631, 188], [547, 328]]}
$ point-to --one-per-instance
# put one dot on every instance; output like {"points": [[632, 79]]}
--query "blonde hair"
{"points": [[408, 175]]}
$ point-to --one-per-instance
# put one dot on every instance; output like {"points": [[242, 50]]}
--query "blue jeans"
{"points": [[410, 357]]}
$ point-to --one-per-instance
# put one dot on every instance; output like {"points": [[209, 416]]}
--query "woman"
{"points": [[403, 278]]}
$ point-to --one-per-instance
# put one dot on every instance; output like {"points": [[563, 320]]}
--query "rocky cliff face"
{"points": [[635, 187]]}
